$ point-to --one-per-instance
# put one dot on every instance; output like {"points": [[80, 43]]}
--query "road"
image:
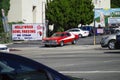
{"points": [[84, 61]]}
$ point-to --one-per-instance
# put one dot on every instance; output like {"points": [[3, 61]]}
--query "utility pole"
{"points": [[94, 40], [5, 21], [5, 24]]}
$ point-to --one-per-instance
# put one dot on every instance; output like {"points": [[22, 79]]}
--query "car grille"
{"points": [[49, 41]]}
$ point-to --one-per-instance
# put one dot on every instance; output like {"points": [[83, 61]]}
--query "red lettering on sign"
{"points": [[24, 27], [28, 26], [28, 31], [17, 27], [16, 31]]}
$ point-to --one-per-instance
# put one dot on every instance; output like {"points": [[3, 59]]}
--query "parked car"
{"points": [[88, 28], [109, 41], [117, 28], [117, 43], [15, 67], [78, 31], [60, 38], [109, 30], [4, 48]]}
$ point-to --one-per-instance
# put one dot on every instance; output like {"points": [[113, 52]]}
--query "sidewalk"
{"points": [[86, 47], [90, 46], [67, 47]]}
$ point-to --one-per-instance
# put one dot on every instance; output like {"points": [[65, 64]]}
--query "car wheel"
{"points": [[80, 35], [111, 44], [61, 43], [46, 45], [74, 41]]}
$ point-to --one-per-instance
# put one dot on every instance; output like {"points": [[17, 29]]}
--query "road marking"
{"points": [[79, 72]]}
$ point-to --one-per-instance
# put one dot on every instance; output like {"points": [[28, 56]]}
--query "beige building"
{"points": [[27, 11]]}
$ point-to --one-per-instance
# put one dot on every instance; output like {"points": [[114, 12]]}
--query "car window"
{"points": [[77, 30], [56, 35], [62, 35], [13, 70], [67, 34], [83, 28], [71, 30], [56, 77], [4, 48], [5, 68], [31, 75]]}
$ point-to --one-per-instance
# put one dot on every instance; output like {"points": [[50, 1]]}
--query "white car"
{"points": [[4, 48], [80, 32]]}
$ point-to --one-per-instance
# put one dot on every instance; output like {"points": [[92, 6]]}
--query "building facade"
{"points": [[27, 11]]}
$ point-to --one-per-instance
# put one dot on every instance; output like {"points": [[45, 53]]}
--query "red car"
{"points": [[60, 38]]}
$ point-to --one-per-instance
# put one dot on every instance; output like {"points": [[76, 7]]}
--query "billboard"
{"points": [[27, 32], [114, 21], [107, 17]]}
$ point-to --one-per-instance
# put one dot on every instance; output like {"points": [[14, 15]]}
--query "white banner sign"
{"points": [[27, 32], [113, 20]]}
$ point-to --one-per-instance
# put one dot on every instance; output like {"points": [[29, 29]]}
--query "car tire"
{"points": [[46, 45], [80, 36], [74, 41], [111, 44], [61, 43]]}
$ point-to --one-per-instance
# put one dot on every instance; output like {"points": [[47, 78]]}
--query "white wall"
{"points": [[22, 10], [14, 13], [27, 11]]}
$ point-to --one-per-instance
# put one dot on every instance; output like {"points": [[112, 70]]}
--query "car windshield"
{"points": [[57, 35]]}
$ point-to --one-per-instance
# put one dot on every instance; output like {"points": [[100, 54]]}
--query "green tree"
{"points": [[65, 14], [4, 4], [115, 3]]}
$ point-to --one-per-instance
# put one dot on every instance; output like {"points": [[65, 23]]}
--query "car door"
{"points": [[64, 38], [69, 37]]}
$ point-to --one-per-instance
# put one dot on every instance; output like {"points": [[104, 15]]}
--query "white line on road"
{"points": [[79, 72]]}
